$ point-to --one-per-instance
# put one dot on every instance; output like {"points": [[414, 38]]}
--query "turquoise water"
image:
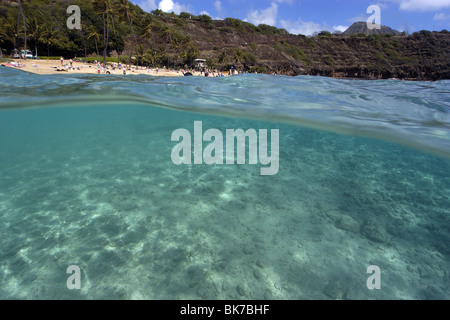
{"points": [[86, 179]]}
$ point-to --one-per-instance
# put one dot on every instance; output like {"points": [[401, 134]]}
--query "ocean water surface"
{"points": [[87, 179]]}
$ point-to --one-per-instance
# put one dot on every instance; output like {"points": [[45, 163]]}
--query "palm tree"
{"points": [[19, 15], [2, 36], [149, 57], [192, 53], [36, 32], [166, 33], [48, 33], [123, 6], [111, 13], [238, 56], [102, 6], [83, 26], [176, 46], [147, 31], [140, 52], [93, 33], [223, 56], [7, 32], [161, 55]]}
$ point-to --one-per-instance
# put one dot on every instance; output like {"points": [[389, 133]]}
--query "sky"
{"points": [[309, 16]]}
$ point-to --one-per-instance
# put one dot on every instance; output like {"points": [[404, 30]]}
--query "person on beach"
{"points": [[62, 61]]}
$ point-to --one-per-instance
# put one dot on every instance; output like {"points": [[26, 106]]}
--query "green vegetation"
{"points": [[226, 29], [240, 26], [269, 30], [359, 36], [423, 34], [185, 15], [51, 58], [108, 27], [325, 34], [204, 18], [259, 69], [294, 51], [117, 30], [310, 42], [396, 58], [249, 58], [328, 60]]}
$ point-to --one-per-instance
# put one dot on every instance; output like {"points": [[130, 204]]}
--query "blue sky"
{"points": [[309, 16]]}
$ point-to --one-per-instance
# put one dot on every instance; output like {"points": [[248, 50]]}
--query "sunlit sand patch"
{"points": [[23, 253], [137, 295], [301, 256], [273, 283], [226, 196]]}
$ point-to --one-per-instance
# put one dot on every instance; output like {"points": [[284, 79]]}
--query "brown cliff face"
{"points": [[421, 56], [176, 40]]}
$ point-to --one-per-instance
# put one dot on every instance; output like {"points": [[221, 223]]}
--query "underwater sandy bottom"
{"points": [[95, 187]]}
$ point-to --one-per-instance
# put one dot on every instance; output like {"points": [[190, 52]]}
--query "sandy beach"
{"points": [[49, 67]]}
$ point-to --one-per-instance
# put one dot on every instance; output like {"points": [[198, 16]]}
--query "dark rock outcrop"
{"points": [[361, 27]]}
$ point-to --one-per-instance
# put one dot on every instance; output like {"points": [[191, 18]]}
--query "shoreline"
{"points": [[53, 67]]}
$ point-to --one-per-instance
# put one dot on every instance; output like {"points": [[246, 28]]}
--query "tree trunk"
{"points": [[1, 53], [115, 35], [107, 35], [134, 36], [18, 31], [104, 40], [24, 24], [84, 43]]}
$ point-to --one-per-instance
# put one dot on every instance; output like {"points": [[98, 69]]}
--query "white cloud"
{"points": [[166, 5], [360, 18], [207, 13], [218, 7], [285, 1], [340, 28], [264, 16], [148, 5], [441, 17], [423, 5], [302, 27], [170, 6]]}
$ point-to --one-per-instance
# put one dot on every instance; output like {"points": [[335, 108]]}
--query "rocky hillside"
{"points": [[117, 29], [421, 56], [361, 27]]}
